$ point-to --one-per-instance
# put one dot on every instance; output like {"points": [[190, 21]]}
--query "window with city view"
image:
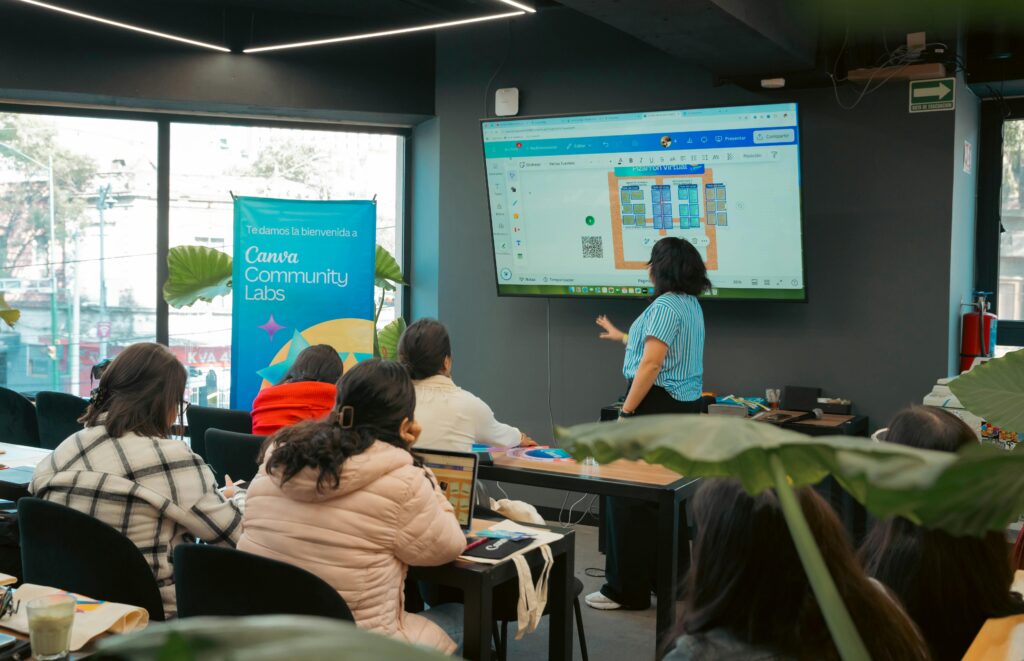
{"points": [[1011, 208], [77, 238], [210, 162], [78, 232]]}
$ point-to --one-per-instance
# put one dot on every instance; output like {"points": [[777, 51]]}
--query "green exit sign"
{"points": [[932, 95]]}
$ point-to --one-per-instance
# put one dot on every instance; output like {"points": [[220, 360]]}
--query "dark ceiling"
{"points": [[240, 24], [737, 40]]}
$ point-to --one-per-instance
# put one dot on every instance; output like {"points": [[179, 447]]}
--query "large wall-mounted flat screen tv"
{"points": [[577, 202]]}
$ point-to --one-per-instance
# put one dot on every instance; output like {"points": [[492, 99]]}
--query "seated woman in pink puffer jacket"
{"points": [[344, 499]]}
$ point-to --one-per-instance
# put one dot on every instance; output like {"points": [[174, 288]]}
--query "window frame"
{"points": [[989, 224], [163, 121]]}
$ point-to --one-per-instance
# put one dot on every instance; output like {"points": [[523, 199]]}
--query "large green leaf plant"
{"points": [[200, 273], [977, 490], [994, 390], [258, 638]]}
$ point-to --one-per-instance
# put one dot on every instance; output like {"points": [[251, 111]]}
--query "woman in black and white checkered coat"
{"points": [[123, 468]]}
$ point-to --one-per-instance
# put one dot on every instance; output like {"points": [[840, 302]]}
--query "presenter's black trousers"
{"points": [[630, 547]]}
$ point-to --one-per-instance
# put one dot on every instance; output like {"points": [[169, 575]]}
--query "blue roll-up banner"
{"points": [[303, 274]]}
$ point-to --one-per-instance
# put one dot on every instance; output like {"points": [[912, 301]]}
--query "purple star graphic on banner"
{"points": [[271, 327]]}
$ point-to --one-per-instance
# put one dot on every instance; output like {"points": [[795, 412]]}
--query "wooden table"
{"points": [[477, 582], [622, 479]]}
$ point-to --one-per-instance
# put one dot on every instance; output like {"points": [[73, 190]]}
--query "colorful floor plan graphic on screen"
{"points": [[648, 203]]}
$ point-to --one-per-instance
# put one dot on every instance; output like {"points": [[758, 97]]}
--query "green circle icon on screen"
{"points": [[590, 220]]}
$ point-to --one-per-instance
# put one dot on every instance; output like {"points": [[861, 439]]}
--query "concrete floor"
{"points": [[610, 634]]}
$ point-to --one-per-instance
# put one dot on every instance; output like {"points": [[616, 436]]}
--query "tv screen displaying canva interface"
{"points": [[578, 202]]}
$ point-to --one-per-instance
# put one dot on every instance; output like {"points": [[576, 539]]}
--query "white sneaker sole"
{"points": [[600, 602]]}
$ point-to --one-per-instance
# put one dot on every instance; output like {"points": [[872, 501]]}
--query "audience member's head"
{"points": [[746, 578], [425, 349], [376, 402], [969, 577], [930, 428], [319, 362], [676, 266], [139, 392]]}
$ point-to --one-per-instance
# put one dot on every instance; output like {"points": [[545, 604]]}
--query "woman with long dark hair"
{"points": [[345, 499], [306, 392], [664, 366], [748, 596], [949, 585], [124, 469]]}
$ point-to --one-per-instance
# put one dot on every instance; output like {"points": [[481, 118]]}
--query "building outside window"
{"points": [[80, 267], [86, 283]]}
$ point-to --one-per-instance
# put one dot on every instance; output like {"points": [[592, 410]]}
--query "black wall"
{"points": [[876, 208]]}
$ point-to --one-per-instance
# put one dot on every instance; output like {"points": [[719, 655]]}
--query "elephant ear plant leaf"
{"points": [[968, 493], [388, 337], [258, 638], [388, 277], [196, 273], [994, 391], [387, 272]]}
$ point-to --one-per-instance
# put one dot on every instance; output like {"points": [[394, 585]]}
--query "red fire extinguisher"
{"points": [[978, 332]]}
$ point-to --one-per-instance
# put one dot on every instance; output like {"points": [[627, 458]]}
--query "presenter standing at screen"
{"points": [[664, 366]]}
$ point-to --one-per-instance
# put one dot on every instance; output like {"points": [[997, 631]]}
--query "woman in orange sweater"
{"points": [[306, 392]]}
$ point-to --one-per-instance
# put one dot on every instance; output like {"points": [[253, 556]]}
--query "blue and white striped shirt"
{"points": [[678, 321]]}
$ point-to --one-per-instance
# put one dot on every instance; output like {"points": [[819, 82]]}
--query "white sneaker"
{"points": [[601, 602]]}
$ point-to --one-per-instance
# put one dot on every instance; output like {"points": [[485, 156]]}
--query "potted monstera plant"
{"points": [[200, 273], [977, 490]]}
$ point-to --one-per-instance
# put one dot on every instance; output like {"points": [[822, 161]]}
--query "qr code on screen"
{"points": [[593, 247]]}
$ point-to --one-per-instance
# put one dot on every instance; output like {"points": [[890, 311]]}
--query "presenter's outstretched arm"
{"points": [[650, 365], [610, 331]]}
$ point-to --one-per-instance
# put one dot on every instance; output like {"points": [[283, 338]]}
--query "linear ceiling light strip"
{"points": [[384, 33], [519, 5], [124, 26]]}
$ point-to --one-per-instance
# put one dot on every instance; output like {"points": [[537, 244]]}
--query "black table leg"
{"points": [[560, 592], [477, 619], [668, 573]]}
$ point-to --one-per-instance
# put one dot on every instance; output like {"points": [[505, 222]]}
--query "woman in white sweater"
{"points": [[452, 418]]}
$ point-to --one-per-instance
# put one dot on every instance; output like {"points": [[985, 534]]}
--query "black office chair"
{"points": [[214, 580], [234, 454], [506, 601], [201, 418], [57, 414], [67, 549], [17, 419]]}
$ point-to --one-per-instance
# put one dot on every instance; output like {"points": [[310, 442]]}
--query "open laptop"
{"points": [[456, 475]]}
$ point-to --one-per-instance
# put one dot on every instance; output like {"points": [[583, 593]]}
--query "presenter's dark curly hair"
{"points": [[374, 397], [676, 266]]}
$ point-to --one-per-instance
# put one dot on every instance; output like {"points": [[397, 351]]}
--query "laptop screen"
{"points": [[456, 475]]}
